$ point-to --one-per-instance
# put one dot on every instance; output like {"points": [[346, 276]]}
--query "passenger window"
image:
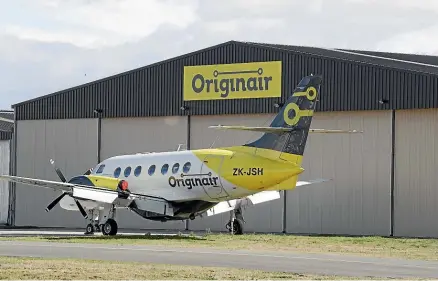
{"points": [[100, 169], [137, 171], [117, 172], [186, 167], [175, 168], [127, 172], [164, 169], [151, 170]]}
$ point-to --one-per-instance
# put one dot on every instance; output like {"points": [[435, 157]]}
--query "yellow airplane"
{"points": [[180, 185]]}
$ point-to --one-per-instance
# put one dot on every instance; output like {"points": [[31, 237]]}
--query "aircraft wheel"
{"points": [[89, 229], [110, 227], [237, 227]]}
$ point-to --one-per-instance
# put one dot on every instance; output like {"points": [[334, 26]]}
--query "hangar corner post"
{"points": [[13, 172]]}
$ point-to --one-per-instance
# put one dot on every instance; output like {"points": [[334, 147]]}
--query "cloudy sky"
{"points": [[50, 45]]}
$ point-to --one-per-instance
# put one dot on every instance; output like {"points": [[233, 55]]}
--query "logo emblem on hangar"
{"points": [[232, 81]]}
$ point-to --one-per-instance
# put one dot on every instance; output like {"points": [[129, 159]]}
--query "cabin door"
{"points": [[210, 177]]}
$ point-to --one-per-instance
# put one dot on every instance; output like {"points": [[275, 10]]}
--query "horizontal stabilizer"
{"points": [[279, 129], [226, 206], [334, 131], [303, 183], [261, 197]]}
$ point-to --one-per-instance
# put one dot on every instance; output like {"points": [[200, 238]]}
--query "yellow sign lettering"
{"points": [[232, 81]]}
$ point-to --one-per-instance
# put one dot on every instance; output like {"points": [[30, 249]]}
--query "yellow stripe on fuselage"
{"points": [[252, 168]]}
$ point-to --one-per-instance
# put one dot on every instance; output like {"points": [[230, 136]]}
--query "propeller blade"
{"points": [[56, 201], [81, 209], [88, 172], [58, 171]]}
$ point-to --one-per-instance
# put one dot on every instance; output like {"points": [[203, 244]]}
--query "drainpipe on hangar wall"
{"points": [[185, 108], [385, 102], [99, 112]]}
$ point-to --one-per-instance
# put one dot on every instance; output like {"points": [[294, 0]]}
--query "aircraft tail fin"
{"points": [[294, 119]]}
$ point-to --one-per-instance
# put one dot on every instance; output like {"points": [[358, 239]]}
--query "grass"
{"points": [[424, 249], [13, 268]]}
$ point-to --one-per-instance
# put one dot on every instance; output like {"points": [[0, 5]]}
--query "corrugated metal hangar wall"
{"points": [[4, 186], [5, 146], [383, 179]]}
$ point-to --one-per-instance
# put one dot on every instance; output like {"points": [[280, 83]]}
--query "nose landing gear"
{"points": [[96, 219]]}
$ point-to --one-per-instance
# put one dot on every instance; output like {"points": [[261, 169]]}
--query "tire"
{"points": [[110, 227], [237, 227], [89, 229]]}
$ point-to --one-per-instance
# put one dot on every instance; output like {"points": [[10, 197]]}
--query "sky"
{"points": [[51, 45]]}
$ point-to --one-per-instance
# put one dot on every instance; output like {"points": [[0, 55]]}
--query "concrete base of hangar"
{"points": [[356, 202]]}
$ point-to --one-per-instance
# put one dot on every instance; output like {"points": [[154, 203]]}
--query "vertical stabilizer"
{"points": [[296, 114]]}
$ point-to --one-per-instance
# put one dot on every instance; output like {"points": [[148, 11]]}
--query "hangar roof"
{"points": [[412, 62], [363, 77]]}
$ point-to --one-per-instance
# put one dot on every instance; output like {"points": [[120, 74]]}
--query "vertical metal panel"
{"points": [[357, 200], [72, 144], [4, 186], [416, 180], [159, 89], [145, 134], [5, 135], [265, 217]]}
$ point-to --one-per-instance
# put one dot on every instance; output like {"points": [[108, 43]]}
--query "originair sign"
{"points": [[232, 81]]}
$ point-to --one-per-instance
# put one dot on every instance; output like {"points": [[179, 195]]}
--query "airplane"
{"points": [[186, 184]]}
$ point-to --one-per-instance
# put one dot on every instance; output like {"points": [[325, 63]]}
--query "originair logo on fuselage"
{"points": [[190, 182], [232, 81]]}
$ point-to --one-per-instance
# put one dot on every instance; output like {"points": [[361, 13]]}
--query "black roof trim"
{"points": [[376, 59], [418, 58]]}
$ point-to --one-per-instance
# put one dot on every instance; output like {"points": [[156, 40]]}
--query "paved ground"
{"points": [[80, 232], [292, 262]]}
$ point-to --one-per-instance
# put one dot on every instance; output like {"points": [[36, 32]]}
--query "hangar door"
{"points": [[4, 187]]}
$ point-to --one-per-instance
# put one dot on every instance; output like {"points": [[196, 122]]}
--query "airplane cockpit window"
{"points": [[186, 167], [117, 172], [100, 169], [175, 168], [164, 169], [137, 171], [151, 170], [127, 172]]}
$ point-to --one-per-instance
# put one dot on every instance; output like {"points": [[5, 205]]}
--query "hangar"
{"points": [[6, 127], [384, 180]]}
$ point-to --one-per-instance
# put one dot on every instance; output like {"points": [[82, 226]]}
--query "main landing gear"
{"points": [[235, 224], [98, 221]]}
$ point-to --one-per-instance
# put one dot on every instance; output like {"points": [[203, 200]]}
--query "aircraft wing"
{"points": [[251, 200], [279, 129], [93, 193]]}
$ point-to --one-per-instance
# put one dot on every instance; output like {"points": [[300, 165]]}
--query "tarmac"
{"points": [[324, 264]]}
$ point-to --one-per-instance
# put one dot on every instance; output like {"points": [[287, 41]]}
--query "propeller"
{"points": [[59, 198], [56, 201]]}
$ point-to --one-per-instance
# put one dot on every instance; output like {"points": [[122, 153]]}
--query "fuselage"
{"points": [[206, 174]]}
